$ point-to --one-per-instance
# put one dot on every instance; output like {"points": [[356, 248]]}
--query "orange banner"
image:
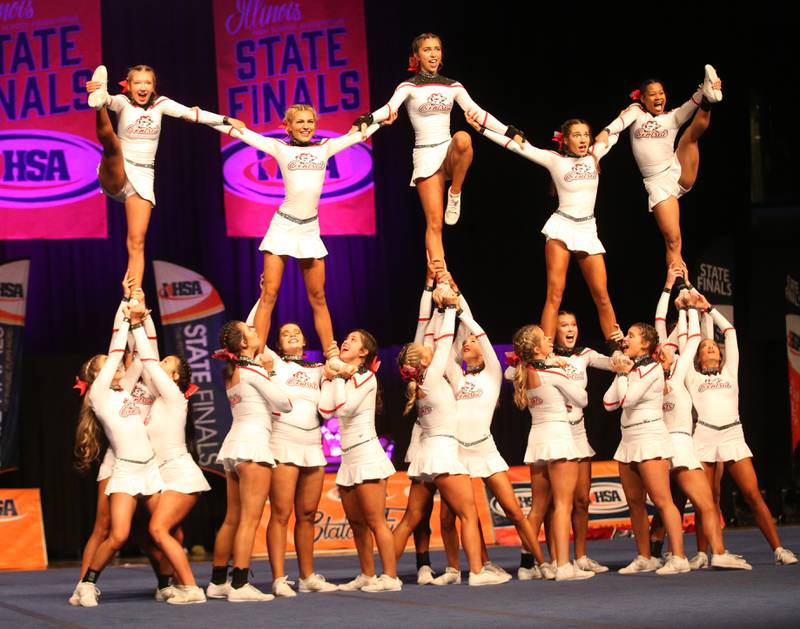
{"points": [[21, 530], [333, 532]]}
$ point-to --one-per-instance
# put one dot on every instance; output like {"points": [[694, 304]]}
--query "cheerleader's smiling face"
{"points": [[302, 125], [653, 98], [429, 54], [353, 350], [141, 86], [291, 341], [567, 331]]}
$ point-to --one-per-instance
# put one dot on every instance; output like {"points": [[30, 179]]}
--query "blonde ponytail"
{"points": [[525, 340], [88, 432]]}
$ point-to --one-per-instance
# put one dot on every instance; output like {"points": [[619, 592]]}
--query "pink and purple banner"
{"points": [[48, 152], [270, 56]]}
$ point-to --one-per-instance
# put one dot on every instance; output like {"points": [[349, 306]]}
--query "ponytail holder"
{"points": [[409, 373], [558, 137], [80, 385], [224, 354], [635, 94], [191, 390], [124, 85], [374, 365], [413, 64], [512, 360]]}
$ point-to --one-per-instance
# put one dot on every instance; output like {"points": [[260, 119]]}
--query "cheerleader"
{"points": [[436, 462], [437, 157], [668, 173], [135, 471], [718, 436], [254, 394], [546, 391], [579, 359], [352, 396], [294, 229], [127, 167], [645, 449], [571, 230]]}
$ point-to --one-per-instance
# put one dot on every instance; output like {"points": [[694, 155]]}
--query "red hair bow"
{"points": [[375, 365], [124, 85], [635, 94], [413, 64], [80, 385], [224, 354], [512, 360], [191, 390], [409, 373], [558, 137]]}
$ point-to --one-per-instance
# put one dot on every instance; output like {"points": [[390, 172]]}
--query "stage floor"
{"points": [[769, 597]]}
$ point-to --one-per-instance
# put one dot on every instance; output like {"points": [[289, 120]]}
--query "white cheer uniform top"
{"points": [[549, 402], [436, 411], [254, 398], [579, 360], [640, 394], [352, 401]]}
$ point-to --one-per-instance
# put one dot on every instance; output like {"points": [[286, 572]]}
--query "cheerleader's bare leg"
{"points": [[688, 151], [714, 479], [372, 501], [458, 160], [593, 269], [314, 278], [419, 495], [122, 508], [254, 480], [668, 219], [306, 500], [102, 525], [563, 479], [431, 195], [447, 521], [456, 489], [273, 274], [361, 534], [556, 257], [541, 496], [170, 511], [693, 483], [580, 507], [655, 479], [744, 475], [223, 544], [635, 494], [501, 487], [137, 212], [281, 499], [112, 166]]}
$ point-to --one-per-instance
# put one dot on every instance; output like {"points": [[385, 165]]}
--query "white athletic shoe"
{"points": [[248, 593], [641, 564], [729, 561], [88, 593], [316, 583], [548, 570], [674, 565], [359, 582], [214, 590], [425, 575], [784, 556], [450, 576], [528, 574], [384, 583], [712, 95], [99, 98], [587, 563], [485, 577], [75, 599], [164, 594], [187, 595], [453, 209], [283, 587], [570, 572], [699, 561], [497, 569]]}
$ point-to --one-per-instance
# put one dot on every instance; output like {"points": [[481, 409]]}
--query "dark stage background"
{"points": [[532, 69]]}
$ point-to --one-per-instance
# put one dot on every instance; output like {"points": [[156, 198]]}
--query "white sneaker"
{"points": [[425, 575], [497, 569], [485, 577], [75, 599], [528, 574], [784, 556], [283, 587], [729, 561], [99, 98], [316, 583], [453, 209], [674, 565], [164, 594], [641, 564], [450, 576], [548, 570], [384, 583], [359, 582], [214, 590], [248, 593], [587, 563], [712, 95], [88, 593], [699, 561], [186, 595], [570, 572]]}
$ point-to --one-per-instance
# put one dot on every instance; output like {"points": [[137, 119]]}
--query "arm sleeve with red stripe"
{"points": [[731, 343], [675, 118], [625, 119], [270, 146], [270, 389], [397, 99], [327, 404], [689, 349], [527, 150], [424, 318], [661, 317], [190, 114], [335, 145], [159, 380], [573, 392], [472, 109], [444, 342], [106, 375], [615, 393]]}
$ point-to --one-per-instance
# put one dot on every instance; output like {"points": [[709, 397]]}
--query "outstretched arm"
{"points": [[424, 318], [536, 155], [689, 349], [161, 382], [625, 119], [335, 145], [490, 361], [444, 342], [268, 145], [731, 342], [115, 352], [473, 110], [397, 99]]}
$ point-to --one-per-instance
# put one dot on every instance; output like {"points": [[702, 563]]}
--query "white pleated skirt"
{"points": [[138, 180], [683, 445], [135, 479], [664, 185], [550, 441], [296, 446], [577, 236], [182, 474], [436, 456], [720, 445], [106, 466], [645, 442], [428, 160], [287, 238], [482, 460], [364, 462], [581, 439]]}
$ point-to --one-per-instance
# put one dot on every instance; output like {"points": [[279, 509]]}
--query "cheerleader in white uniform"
{"points": [[718, 436], [127, 167], [546, 391], [352, 396], [571, 230], [294, 229], [429, 99], [668, 173], [645, 450], [254, 394], [436, 462]]}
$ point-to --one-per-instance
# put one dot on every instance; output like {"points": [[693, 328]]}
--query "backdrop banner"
{"points": [[22, 530]]}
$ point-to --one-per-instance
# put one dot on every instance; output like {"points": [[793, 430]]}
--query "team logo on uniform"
{"points": [[534, 401], [712, 384], [424, 410], [234, 399], [651, 129], [306, 161], [667, 407], [580, 171], [143, 126], [301, 379], [128, 408], [469, 392], [573, 373], [141, 397], [436, 102]]}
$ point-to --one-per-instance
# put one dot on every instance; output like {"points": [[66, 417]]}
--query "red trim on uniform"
{"points": [[694, 336], [276, 414], [682, 334], [144, 360], [660, 319], [586, 351], [116, 350], [114, 330], [642, 375], [477, 336], [505, 146], [622, 401], [610, 403], [424, 319], [726, 330], [443, 336], [429, 334], [485, 118], [363, 381], [158, 101], [197, 114], [694, 101], [389, 107], [231, 130], [256, 372], [331, 411], [670, 345], [152, 338]]}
